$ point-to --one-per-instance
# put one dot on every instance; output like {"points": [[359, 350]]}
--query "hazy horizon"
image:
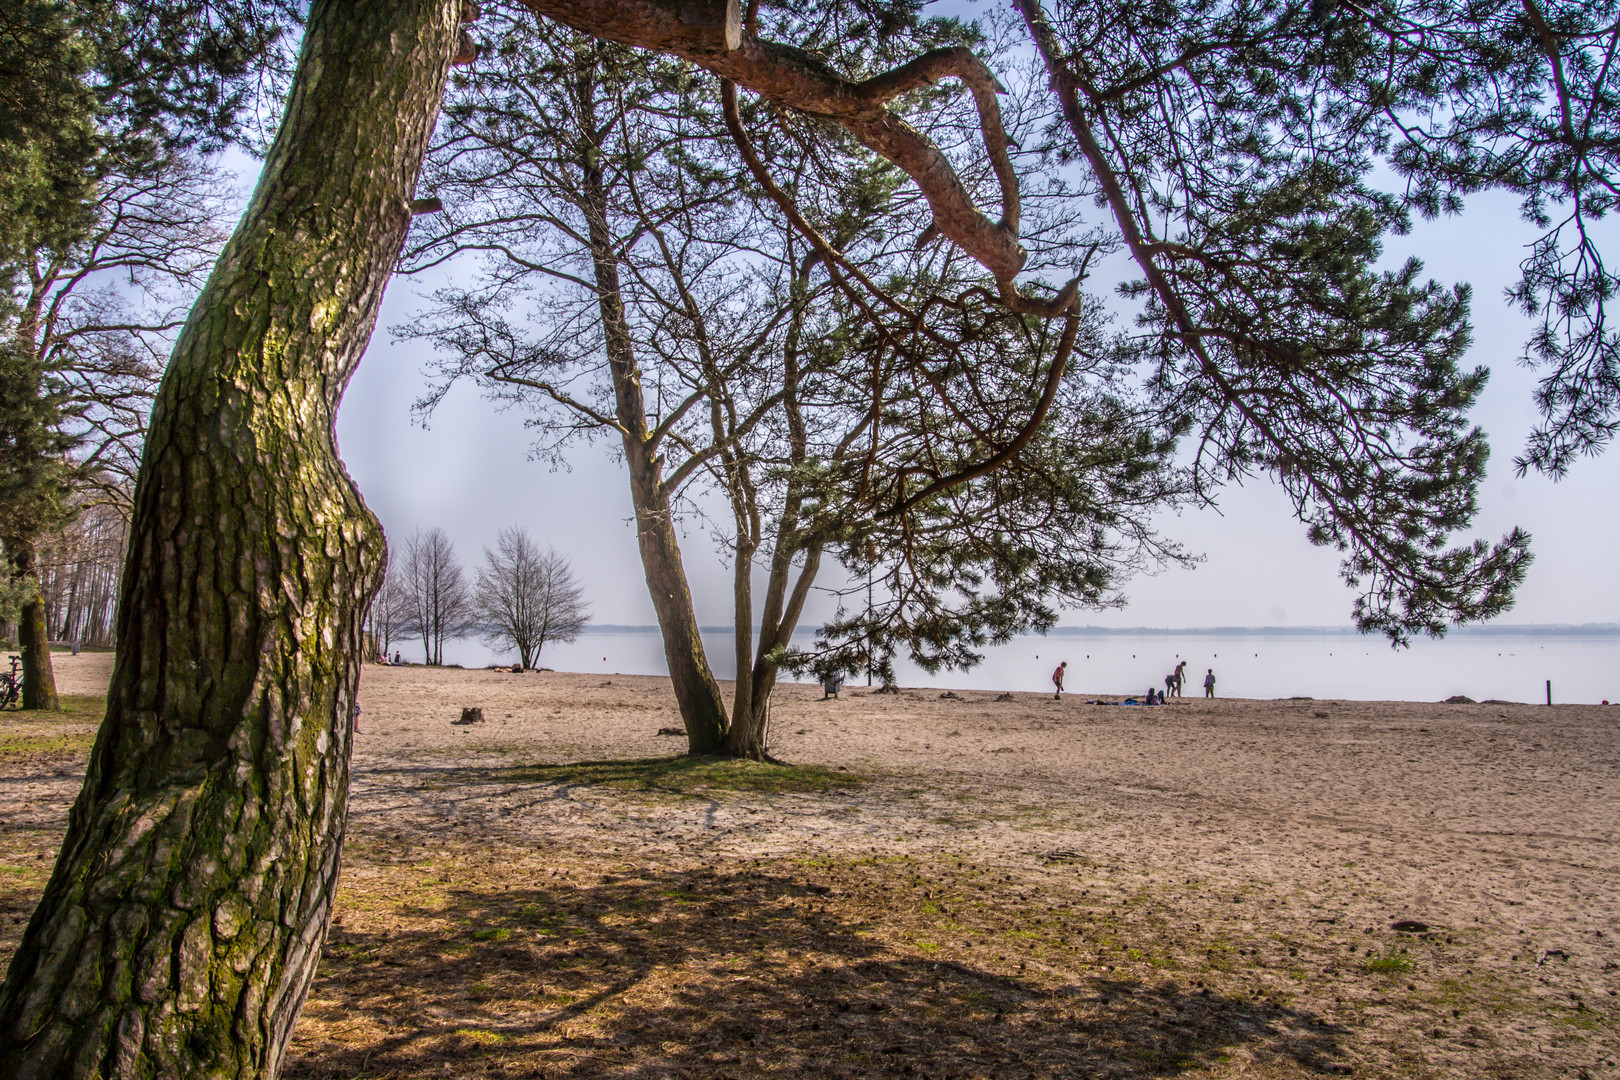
{"points": [[1602, 629]]}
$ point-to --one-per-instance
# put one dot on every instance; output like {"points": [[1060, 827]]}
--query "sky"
{"points": [[467, 471]]}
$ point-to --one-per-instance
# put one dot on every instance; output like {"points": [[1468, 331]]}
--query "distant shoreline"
{"points": [[1523, 630]]}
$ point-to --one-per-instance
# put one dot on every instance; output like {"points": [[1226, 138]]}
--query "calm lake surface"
{"points": [[1583, 664]]}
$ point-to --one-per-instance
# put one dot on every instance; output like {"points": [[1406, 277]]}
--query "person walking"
{"points": [[1057, 679], [1209, 683]]}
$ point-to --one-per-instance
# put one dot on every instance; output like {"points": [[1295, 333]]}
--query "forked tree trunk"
{"points": [[33, 635], [757, 670], [180, 929]]}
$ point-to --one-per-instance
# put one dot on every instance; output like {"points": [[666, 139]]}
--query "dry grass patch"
{"points": [[42, 754], [30, 738], [684, 775], [766, 968]]}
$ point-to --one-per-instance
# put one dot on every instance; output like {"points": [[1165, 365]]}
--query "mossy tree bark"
{"points": [[179, 932]]}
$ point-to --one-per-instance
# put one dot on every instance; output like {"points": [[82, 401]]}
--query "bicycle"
{"points": [[11, 683]]}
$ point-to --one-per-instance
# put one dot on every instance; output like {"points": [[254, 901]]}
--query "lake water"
{"points": [[1583, 664]]}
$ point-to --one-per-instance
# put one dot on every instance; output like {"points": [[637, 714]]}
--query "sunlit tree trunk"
{"points": [[179, 932]]}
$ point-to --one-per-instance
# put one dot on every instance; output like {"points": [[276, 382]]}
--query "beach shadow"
{"points": [[710, 974]]}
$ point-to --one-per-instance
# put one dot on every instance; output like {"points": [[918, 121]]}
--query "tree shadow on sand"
{"points": [[707, 974]]}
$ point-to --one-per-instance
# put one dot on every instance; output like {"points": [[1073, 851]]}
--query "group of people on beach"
{"points": [[1172, 685]]}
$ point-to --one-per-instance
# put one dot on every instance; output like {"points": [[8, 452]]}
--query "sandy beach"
{"points": [[953, 887]]}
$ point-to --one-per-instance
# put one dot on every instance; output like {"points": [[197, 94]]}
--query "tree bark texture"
{"points": [[180, 929], [33, 635], [697, 693]]}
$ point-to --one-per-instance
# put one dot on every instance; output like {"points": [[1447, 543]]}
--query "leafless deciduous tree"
{"points": [[389, 618], [436, 588], [526, 597]]}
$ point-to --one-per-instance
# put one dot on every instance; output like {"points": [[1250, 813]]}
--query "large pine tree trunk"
{"points": [[179, 932], [33, 635]]}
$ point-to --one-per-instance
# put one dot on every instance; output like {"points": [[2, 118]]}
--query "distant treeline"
{"points": [[79, 569]]}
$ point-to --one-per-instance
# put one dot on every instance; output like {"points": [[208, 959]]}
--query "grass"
{"points": [[685, 775], [79, 708], [1392, 963], [32, 732]]}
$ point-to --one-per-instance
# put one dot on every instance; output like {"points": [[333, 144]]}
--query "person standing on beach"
{"points": [[1057, 680], [1209, 683], [1180, 678]]}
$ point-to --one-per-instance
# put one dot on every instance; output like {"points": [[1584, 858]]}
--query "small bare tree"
{"points": [[526, 597], [389, 618], [435, 585]]}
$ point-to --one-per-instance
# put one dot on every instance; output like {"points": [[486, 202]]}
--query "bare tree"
{"points": [[526, 597], [389, 617], [436, 589]]}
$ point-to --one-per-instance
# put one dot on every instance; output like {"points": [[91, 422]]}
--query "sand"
{"points": [[1021, 887]]}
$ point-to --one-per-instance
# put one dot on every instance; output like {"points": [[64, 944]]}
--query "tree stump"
{"points": [[470, 716]]}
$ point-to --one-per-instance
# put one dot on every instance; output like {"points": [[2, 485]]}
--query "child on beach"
{"points": [[1209, 683], [1057, 680]]}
